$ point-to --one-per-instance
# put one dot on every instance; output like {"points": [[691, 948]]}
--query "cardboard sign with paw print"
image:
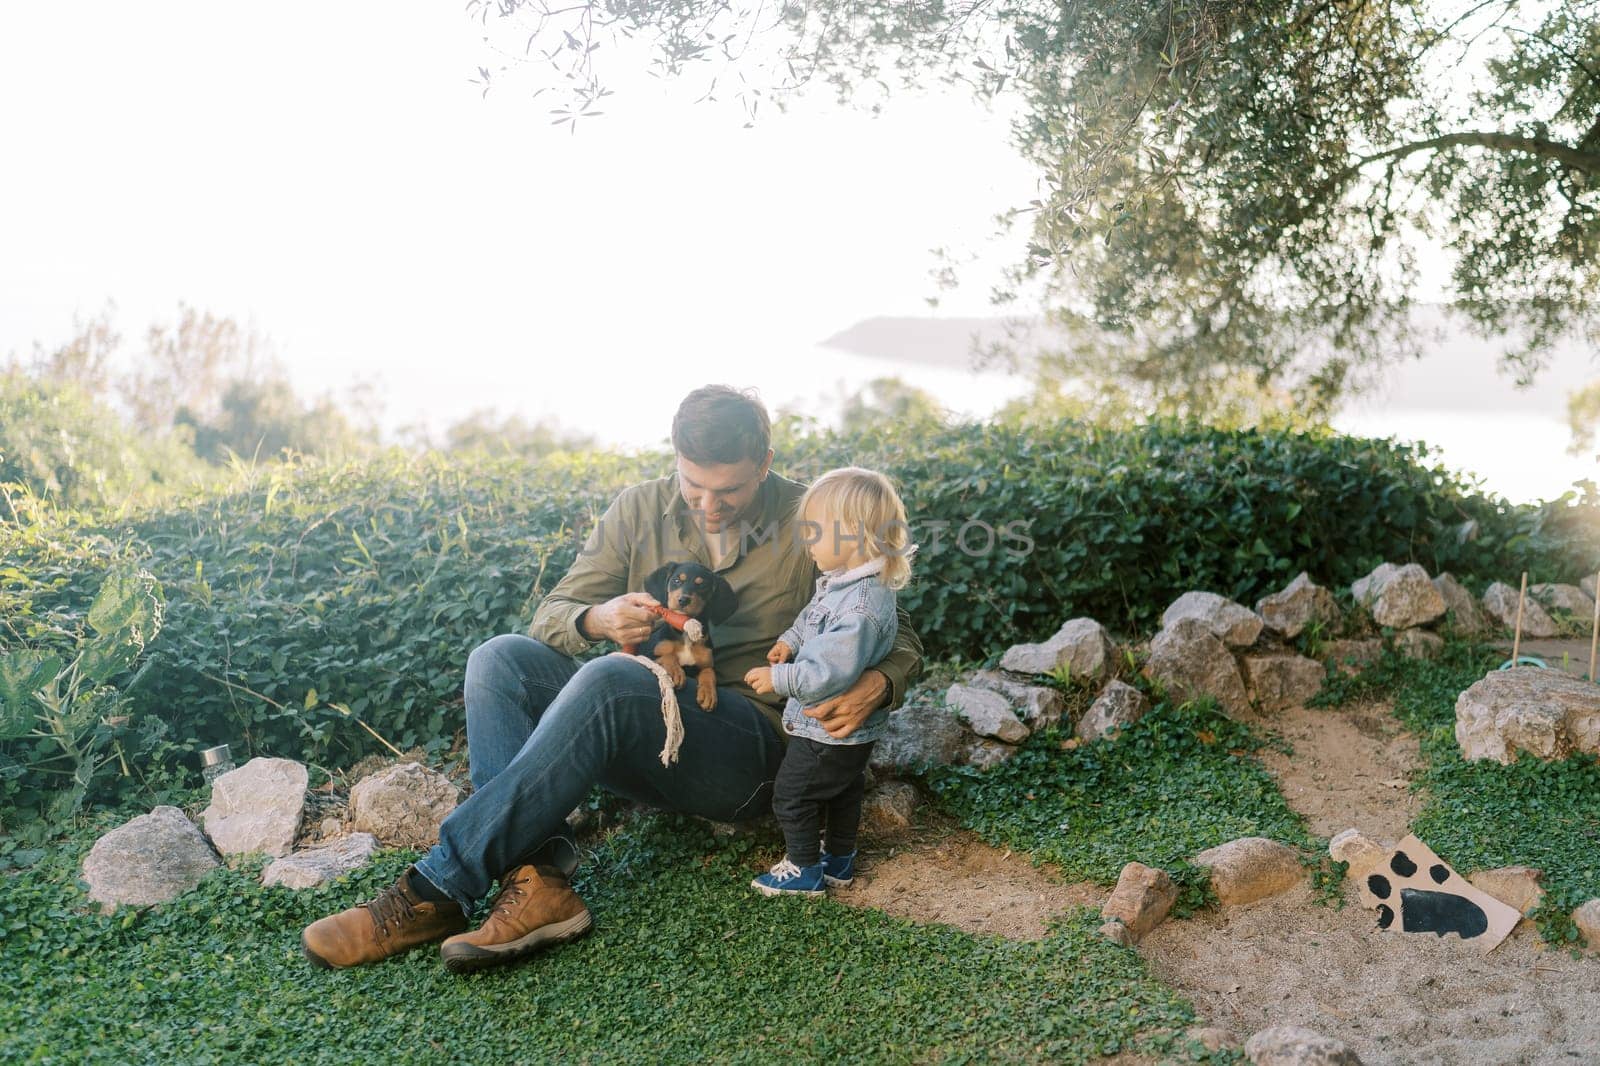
{"points": [[1414, 891]]}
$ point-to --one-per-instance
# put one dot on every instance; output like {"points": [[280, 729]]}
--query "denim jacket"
{"points": [[848, 626]]}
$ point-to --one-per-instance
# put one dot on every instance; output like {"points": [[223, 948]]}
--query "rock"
{"points": [[1191, 662], [1039, 706], [1082, 645], [1515, 886], [1211, 1037], [1360, 852], [149, 859], [1251, 868], [1549, 713], [1568, 598], [1500, 600], [986, 713], [922, 733], [1118, 706], [403, 805], [1461, 609], [1292, 1045], [889, 806], [1301, 603], [257, 808], [1117, 933], [331, 828], [984, 752], [1281, 681], [1141, 900], [318, 866], [1418, 644], [1588, 586], [1587, 918], [1232, 623], [1399, 596], [1349, 656]]}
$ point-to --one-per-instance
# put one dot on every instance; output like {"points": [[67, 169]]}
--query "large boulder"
{"points": [[1359, 852], [1586, 916], [1234, 624], [1399, 596], [1281, 681], [1251, 868], [1039, 706], [922, 733], [1301, 603], [318, 866], [1118, 706], [1191, 662], [1351, 656], [986, 713], [889, 806], [257, 808], [403, 805], [1500, 600], [1418, 643], [148, 859], [1293, 1045], [1082, 645], [1515, 886], [1549, 713], [1461, 608], [1589, 585], [1569, 598], [1141, 900]]}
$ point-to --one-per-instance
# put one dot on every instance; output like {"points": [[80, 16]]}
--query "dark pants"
{"points": [[817, 777], [542, 731]]}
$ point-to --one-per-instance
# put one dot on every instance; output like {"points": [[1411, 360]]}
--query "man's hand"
{"points": [[780, 653], [845, 713], [759, 678], [624, 619]]}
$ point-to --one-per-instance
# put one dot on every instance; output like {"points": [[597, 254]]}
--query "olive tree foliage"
{"points": [[1228, 187]]}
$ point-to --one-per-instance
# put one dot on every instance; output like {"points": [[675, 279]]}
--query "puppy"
{"points": [[698, 593]]}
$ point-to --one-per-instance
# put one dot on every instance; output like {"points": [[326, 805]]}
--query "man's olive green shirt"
{"points": [[650, 525]]}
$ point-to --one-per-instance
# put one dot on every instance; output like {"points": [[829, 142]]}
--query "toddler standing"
{"points": [[863, 548]]}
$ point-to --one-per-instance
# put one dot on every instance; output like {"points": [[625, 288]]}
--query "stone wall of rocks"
{"points": [[259, 809]]}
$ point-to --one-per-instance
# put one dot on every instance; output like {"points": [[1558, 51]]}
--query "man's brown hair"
{"points": [[721, 424]]}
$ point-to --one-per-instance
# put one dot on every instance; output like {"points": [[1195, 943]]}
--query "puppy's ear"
{"points": [[656, 583], [724, 601]]}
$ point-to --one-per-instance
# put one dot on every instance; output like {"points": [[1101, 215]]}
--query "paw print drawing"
{"points": [[1414, 885]]}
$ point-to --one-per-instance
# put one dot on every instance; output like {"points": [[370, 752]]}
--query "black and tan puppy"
{"points": [[697, 592]]}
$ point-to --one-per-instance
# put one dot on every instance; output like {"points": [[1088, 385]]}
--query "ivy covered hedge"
{"points": [[309, 607]]}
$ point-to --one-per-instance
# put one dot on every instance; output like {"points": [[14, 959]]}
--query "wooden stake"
{"points": [[1594, 629], [1516, 639]]}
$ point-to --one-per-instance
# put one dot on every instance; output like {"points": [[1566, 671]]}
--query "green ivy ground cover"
{"points": [[1176, 782], [686, 964], [1480, 815]]}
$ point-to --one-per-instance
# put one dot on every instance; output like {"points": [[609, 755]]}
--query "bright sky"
{"points": [[329, 173]]}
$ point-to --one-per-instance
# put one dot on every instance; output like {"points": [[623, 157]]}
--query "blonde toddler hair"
{"points": [[863, 503]]}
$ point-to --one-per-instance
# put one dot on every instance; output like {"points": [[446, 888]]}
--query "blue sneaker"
{"points": [[787, 879], [839, 870]]}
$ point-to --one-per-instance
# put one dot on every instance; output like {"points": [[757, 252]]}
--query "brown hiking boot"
{"points": [[397, 920], [534, 909]]}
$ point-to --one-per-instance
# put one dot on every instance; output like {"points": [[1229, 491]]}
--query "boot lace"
{"points": [[392, 910], [511, 891], [785, 870]]}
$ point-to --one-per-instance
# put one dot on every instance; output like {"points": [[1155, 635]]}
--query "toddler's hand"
{"points": [[759, 678], [780, 653]]}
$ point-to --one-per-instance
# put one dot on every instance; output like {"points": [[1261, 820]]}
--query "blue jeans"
{"points": [[542, 731]]}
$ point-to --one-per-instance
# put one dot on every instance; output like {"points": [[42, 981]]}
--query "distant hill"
{"points": [[1457, 374]]}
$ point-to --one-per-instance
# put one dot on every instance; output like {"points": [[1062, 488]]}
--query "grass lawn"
{"points": [[686, 964]]}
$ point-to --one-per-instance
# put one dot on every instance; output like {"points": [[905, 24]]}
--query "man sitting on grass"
{"points": [[543, 730]]}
